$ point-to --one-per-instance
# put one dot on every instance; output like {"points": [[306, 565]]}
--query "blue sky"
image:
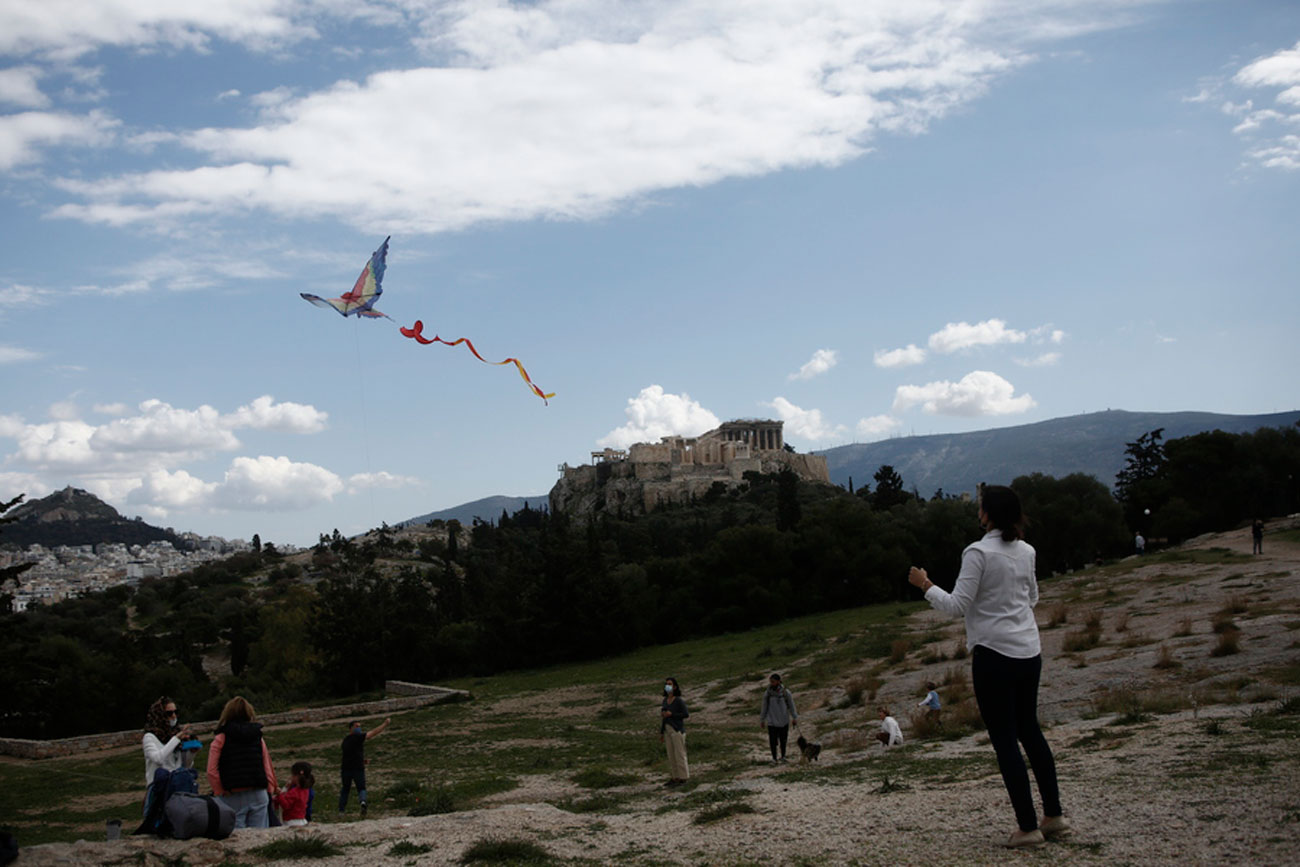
{"points": [[870, 219]]}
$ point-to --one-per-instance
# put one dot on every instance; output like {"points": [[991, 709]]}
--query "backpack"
{"points": [[191, 815], [165, 784]]}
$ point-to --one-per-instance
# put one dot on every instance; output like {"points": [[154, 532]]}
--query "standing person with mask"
{"points": [[673, 733], [775, 714], [354, 763], [239, 765], [996, 592]]}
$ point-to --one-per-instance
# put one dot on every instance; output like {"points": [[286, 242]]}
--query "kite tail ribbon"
{"points": [[416, 333]]}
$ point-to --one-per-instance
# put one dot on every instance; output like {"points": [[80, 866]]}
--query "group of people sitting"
{"points": [[239, 767]]}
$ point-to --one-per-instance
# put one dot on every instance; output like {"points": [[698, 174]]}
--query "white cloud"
{"points": [[1272, 147], [160, 427], [1277, 70], [956, 336], [64, 410], [113, 409], [274, 485], [22, 135], [653, 414], [18, 86], [1163, 338], [162, 490], [20, 295], [979, 393], [877, 425], [1047, 359], [69, 28], [822, 360], [382, 479], [265, 414], [158, 432], [15, 354], [905, 357], [559, 108], [805, 423]]}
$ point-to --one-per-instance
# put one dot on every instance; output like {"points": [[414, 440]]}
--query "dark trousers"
{"points": [[776, 736], [350, 776], [1006, 690]]}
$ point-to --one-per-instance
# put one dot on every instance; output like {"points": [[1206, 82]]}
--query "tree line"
{"points": [[535, 588]]}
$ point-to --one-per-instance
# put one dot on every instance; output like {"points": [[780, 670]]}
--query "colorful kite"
{"points": [[365, 292], [361, 301]]}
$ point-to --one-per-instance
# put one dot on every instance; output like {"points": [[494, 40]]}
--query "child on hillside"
{"points": [[295, 801], [890, 735], [931, 703]]}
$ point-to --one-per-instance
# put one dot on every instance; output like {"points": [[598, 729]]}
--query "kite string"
{"points": [[365, 422]]}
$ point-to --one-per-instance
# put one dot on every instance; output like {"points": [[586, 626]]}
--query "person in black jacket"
{"points": [[239, 765], [354, 763]]}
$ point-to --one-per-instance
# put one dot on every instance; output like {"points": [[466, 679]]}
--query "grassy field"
{"points": [[594, 724]]}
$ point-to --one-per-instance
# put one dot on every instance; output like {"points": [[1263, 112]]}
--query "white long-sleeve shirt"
{"points": [[996, 592], [159, 755], [889, 726]]}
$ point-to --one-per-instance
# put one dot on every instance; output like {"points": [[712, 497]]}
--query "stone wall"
{"points": [[403, 696]]}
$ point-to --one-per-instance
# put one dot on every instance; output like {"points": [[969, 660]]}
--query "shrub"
{"points": [[857, 687], [722, 811], [1060, 614], [1165, 658], [440, 800], [1222, 623], [1228, 643], [898, 650], [298, 848], [1080, 640], [600, 778], [505, 851], [1092, 620], [924, 725], [1234, 605], [1184, 628], [1121, 622], [405, 848]]}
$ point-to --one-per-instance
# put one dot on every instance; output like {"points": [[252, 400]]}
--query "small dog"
{"points": [[809, 751]]}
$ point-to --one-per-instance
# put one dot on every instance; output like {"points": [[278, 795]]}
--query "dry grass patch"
{"points": [[1058, 615], [1184, 628], [1165, 658], [1229, 643]]}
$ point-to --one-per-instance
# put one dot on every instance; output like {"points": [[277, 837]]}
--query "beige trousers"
{"points": [[676, 743]]}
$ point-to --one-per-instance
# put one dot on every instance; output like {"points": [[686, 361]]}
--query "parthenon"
{"points": [[678, 468]]}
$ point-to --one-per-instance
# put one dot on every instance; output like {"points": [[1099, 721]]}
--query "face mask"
{"points": [[668, 688]]}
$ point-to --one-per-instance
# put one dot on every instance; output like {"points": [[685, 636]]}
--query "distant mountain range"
{"points": [[76, 517], [1092, 444], [486, 509]]}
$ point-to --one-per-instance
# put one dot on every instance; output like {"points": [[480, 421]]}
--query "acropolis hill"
{"points": [[678, 469]]}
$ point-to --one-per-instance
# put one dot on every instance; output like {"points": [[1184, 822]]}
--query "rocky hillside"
{"points": [[1170, 687], [75, 517]]}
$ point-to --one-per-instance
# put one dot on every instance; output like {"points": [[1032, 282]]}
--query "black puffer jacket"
{"points": [[240, 763]]}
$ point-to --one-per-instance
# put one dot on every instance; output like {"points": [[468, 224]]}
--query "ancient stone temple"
{"points": [[677, 469]]}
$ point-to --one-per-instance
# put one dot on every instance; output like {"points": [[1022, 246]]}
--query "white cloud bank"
{"points": [[806, 424], [905, 357], [822, 360], [979, 393], [23, 136], [136, 457], [1270, 129], [551, 109], [956, 336], [877, 426], [654, 414]]}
